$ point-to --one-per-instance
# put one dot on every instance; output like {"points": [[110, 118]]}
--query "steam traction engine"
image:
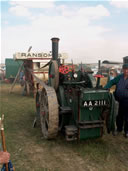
{"points": [[73, 102]]}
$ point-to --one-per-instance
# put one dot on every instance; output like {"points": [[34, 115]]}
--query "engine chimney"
{"points": [[55, 48]]}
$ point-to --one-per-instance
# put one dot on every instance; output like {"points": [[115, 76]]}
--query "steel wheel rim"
{"points": [[44, 113]]}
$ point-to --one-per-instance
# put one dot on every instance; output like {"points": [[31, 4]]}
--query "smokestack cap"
{"points": [[55, 39]]}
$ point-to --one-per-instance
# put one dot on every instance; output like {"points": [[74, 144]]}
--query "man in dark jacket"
{"points": [[121, 95]]}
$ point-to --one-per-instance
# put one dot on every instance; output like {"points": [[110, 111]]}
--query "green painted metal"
{"points": [[88, 119], [82, 104], [92, 113], [61, 96], [12, 67]]}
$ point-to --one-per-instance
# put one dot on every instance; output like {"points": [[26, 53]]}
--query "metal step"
{"points": [[65, 109]]}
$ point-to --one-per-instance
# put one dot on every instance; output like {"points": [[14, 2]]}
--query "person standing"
{"points": [[21, 78], [121, 95]]}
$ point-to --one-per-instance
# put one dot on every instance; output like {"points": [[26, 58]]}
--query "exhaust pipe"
{"points": [[55, 48]]}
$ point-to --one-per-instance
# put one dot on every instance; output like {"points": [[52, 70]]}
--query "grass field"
{"points": [[30, 152]]}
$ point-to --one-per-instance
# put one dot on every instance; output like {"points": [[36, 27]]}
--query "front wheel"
{"points": [[49, 113]]}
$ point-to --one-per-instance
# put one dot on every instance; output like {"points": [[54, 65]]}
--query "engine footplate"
{"points": [[71, 133]]}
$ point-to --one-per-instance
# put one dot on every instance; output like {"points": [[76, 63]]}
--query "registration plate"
{"points": [[95, 103]]}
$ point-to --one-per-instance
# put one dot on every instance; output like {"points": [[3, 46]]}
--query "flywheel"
{"points": [[54, 74], [49, 116]]}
